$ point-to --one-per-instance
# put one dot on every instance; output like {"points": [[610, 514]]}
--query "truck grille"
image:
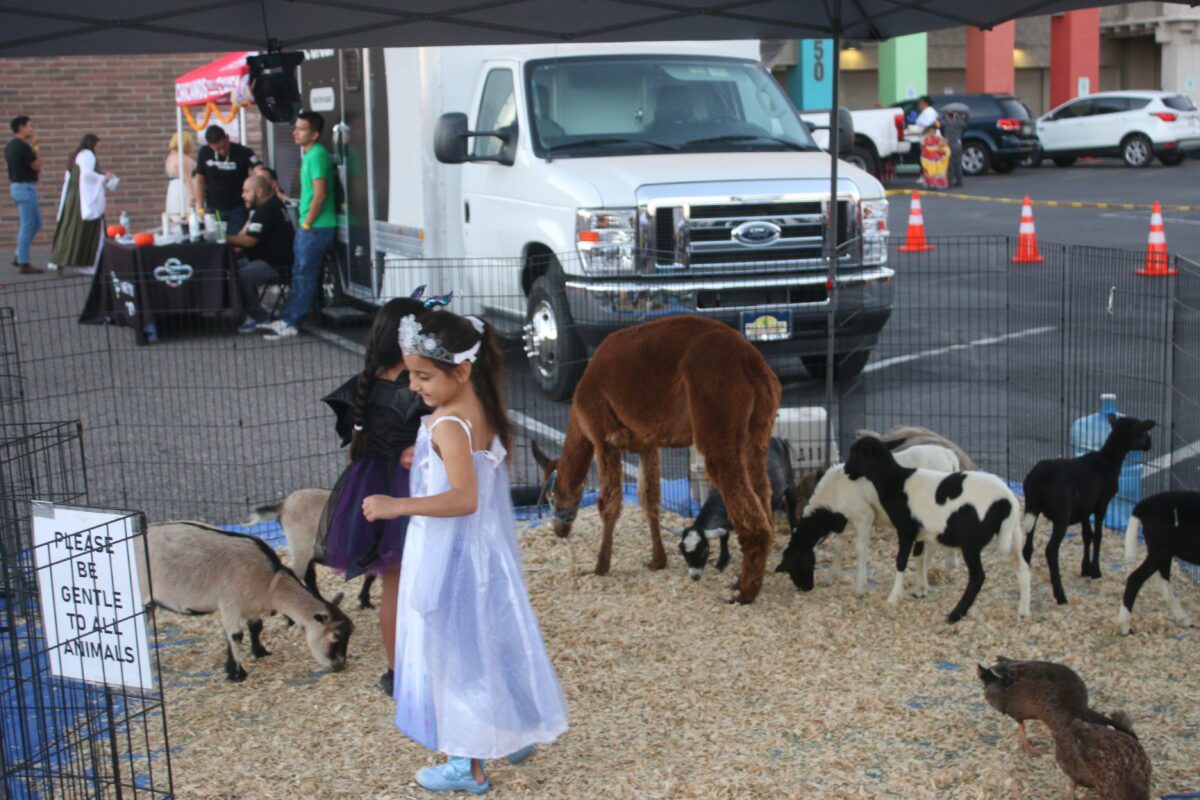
{"points": [[703, 236]]}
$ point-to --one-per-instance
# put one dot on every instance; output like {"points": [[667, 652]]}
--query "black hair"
{"points": [[18, 123], [925, 99], [214, 134], [88, 142], [383, 352], [314, 120], [458, 334]]}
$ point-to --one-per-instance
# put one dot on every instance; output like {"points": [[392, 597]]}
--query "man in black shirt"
{"points": [[267, 241], [221, 168], [24, 164]]}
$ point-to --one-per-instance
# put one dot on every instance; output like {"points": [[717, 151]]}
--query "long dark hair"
{"points": [[458, 334], [88, 142], [383, 352]]}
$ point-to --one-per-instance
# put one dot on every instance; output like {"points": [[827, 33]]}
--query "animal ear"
{"points": [[1145, 425], [539, 455], [337, 599], [1112, 420]]}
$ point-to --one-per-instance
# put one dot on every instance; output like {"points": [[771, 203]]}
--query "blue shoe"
{"points": [[453, 776], [250, 325], [519, 756]]}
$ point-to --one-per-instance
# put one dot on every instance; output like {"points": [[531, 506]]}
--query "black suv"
{"points": [[1000, 131]]}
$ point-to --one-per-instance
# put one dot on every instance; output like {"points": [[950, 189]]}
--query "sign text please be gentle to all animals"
{"points": [[91, 601]]}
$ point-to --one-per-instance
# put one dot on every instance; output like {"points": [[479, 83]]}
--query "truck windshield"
{"points": [[622, 105]]}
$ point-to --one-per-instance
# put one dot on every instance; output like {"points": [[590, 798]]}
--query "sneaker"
{"points": [[284, 331], [268, 325], [519, 756], [29, 269], [387, 682], [453, 776], [249, 325]]}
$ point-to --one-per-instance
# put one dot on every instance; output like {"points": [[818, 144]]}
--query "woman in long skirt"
{"points": [[81, 209]]}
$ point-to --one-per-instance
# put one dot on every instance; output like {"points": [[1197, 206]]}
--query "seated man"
{"points": [[267, 242], [673, 108]]}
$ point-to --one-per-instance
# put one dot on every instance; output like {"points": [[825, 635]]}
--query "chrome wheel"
{"points": [[1137, 152], [973, 161], [541, 340]]}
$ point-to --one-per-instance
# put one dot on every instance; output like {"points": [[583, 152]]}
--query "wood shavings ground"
{"points": [[675, 694]]}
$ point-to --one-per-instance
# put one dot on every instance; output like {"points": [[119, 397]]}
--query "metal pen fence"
{"points": [[999, 357]]}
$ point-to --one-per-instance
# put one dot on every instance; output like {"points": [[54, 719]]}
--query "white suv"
{"points": [[1137, 126]]}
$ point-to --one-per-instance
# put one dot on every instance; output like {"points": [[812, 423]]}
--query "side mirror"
{"points": [[450, 141], [845, 130]]}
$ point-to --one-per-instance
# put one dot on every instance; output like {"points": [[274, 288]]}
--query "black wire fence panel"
{"points": [[65, 617], [1000, 357]]}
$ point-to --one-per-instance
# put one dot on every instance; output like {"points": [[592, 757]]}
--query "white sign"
{"points": [[1190, 83], [1084, 86], [910, 91], [321, 98], [92, 611]]}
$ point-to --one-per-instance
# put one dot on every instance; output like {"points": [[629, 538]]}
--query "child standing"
{"points": [[380, 417], [473, 677]]}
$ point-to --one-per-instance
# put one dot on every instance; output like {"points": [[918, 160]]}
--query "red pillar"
{"points": [[990, 59], [1074, 54]]}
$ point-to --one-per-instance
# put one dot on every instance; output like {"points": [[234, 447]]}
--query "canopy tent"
{"points": [[225, 80], [68, 27]]}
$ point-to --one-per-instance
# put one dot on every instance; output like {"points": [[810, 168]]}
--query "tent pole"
{"points": [[179, 164], [831, 235], [241, 123]]}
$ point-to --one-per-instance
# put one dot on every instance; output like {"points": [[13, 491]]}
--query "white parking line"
{"points": [[539, 428], [904, 359], [1170, 459], [1141, 217]]}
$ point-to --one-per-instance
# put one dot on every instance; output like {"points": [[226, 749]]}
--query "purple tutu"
{"points": [[348, 535]]}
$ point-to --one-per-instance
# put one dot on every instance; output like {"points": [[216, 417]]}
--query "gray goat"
{"points": [[299, 515], [713, 520], [902, 437], [198, 569]]}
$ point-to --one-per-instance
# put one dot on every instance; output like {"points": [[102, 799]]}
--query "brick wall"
{"points": [[128, 101]]}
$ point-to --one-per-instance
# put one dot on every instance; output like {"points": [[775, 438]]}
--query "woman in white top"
{"points": [[81, 209], [180, 197]]}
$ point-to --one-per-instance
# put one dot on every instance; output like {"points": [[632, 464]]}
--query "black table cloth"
{"points": [[139, 286]]}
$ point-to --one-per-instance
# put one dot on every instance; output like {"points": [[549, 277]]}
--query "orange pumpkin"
{"points": [[143, 239], [114, 231]]}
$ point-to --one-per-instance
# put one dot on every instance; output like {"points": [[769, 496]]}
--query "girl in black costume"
{"points": [[379, 416]]}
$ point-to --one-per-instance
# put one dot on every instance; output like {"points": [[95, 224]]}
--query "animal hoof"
{"points": [[655, 565], [1062, 601], [954, 617], [236, 677], [365, 604], [741, 599], [263, 653]]}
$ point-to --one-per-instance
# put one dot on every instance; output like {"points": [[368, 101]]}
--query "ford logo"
{"points": [[757, 233]]}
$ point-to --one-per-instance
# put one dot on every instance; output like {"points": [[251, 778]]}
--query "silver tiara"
{"points": [[412, 341]]}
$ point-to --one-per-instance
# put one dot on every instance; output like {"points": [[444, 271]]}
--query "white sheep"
{"points": [[198, 569], [838, 502], [965, 510]]}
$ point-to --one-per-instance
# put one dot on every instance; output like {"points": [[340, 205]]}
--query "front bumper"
{"points": [[864, 302]]}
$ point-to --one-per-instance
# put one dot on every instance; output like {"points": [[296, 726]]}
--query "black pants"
{"points": [[252, 275], [955, 173]]}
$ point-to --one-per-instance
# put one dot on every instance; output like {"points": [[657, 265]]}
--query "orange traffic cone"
{"points": [[1027, 246], [914, 240], [1157, 260]]}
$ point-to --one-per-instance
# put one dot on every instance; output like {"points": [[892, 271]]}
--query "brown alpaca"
{"points": [[672, 383]]}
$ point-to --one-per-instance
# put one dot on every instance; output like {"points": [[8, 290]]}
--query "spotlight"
{"points": [[273, 84]]}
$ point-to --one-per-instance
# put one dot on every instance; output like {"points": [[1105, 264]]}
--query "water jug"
{"points": [[1088, 434], [125, 222]]}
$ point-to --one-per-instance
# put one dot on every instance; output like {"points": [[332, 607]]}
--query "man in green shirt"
{"points": [[318, 225]]}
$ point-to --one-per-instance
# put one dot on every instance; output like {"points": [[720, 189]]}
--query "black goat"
{"points": [[713, 520], [1071, 491], [1171, 526]]}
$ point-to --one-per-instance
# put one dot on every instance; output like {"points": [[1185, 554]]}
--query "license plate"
{"points": [[767, 326]]}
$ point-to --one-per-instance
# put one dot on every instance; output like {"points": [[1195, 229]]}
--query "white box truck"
{"points": [[578, 189]]}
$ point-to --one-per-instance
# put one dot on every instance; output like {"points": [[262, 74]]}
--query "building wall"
{"points": [[128, 101]]}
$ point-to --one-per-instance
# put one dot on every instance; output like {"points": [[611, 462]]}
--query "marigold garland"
{"points": [[210, 110]]}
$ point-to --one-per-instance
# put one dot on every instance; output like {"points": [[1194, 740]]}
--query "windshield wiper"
{"points": [[745, 137], [597, 141]]}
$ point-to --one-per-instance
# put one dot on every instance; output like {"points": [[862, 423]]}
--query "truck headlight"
{"points": [[874, 231], [606, 239]]}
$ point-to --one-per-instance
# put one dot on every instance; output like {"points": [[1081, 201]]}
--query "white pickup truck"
{"points": [[878, 137]]}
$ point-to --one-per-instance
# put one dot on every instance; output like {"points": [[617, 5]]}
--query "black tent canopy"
{"points": [[80, 27]]}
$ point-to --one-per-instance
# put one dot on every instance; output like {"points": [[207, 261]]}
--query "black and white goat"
{"points": [[963, 510], [713, 520], [1071, 491], [1171, 526], [299, 515], [198, 569], [839, 503]]}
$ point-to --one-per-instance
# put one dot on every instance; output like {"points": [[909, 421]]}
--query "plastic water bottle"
{"points": [[125, 221], [1087, 435]]}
